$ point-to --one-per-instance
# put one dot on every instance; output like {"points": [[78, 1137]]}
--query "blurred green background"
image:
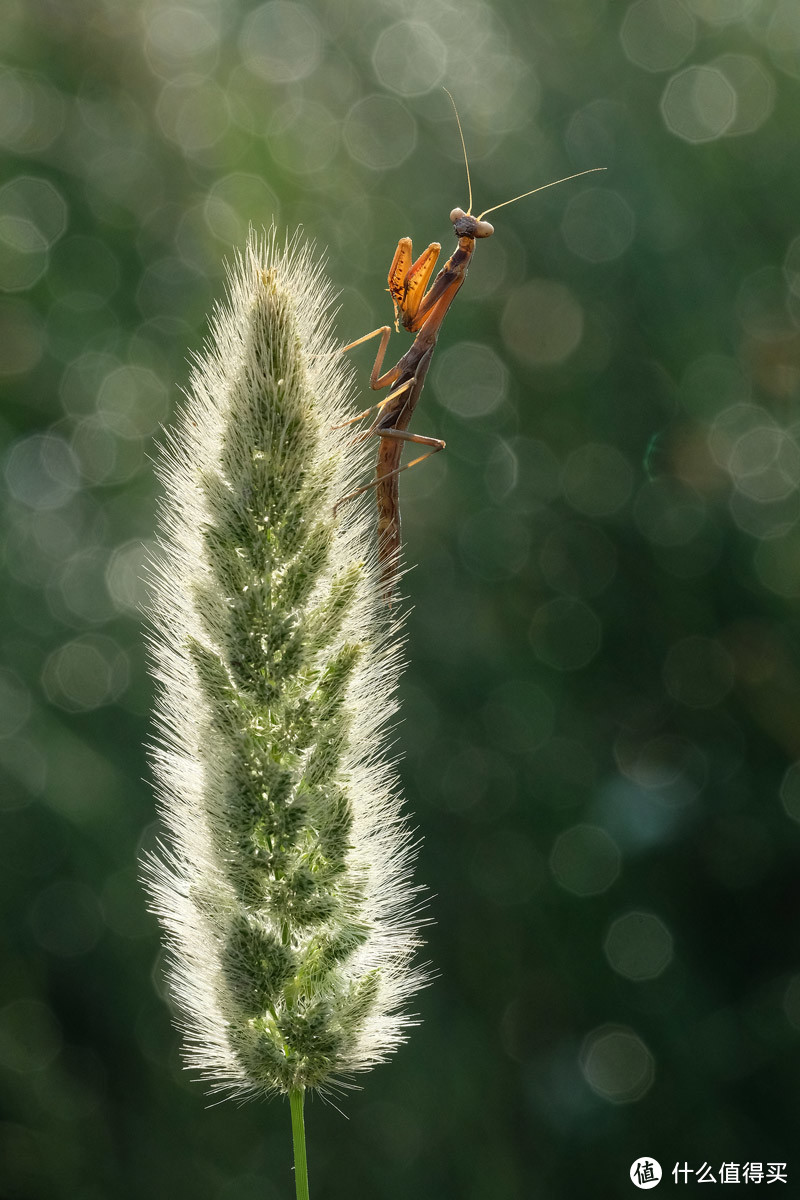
{"points": [[602, 707]]}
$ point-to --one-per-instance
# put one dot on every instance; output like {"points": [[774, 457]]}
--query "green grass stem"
{"points": [[296, 1099]]}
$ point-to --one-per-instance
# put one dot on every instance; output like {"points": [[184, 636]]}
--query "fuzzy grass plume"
{"points": [[284, 885]]}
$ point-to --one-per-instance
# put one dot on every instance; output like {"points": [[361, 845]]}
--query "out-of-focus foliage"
{"points": [[603, 706]]}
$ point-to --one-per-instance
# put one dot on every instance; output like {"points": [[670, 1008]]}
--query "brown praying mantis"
{"points": [[421, 312]]}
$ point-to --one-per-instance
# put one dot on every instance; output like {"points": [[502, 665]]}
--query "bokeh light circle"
{"points": [[698, 104], [765, 463], [542, 322], [23, 254], [673, 767], [471, 379], [765, 519], [783, 37], [37, 201], [638, 945], [711, 383], [790, 791], [132, 401], [125, 575], [193, 113], [410, 58], [730, 425], [668, 512], [598, 225], [180, 38], [754, 88], [237, 201], [597, 479], [77, 592], [281, 42], [31, 111], [380, 132], [42, 471], [86, 673], [81, 378], [658, 35], [33, 216], [617, 1064], [303, 136], [585, 860]]}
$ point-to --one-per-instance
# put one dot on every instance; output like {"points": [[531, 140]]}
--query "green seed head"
{"points": [[283, 884]]}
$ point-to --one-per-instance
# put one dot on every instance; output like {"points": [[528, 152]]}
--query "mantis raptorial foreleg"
{"points": [[408, 281]]}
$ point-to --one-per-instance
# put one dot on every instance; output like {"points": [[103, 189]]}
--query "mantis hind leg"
{"points": [[399, 435]]}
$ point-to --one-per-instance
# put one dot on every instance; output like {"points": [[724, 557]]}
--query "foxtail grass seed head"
{"points": [[284, 883]]}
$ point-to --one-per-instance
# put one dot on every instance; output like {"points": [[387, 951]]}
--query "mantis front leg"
{"points": [[408, 281]]}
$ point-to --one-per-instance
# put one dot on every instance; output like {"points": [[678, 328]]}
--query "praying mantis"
{"points": [[421, 312]]}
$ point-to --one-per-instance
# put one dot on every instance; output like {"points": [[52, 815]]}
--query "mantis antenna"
{"points": [[533, 191], [464, 148], [514, 199]]}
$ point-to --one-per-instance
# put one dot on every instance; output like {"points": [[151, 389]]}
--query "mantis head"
{"points": [[466, 225]]}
